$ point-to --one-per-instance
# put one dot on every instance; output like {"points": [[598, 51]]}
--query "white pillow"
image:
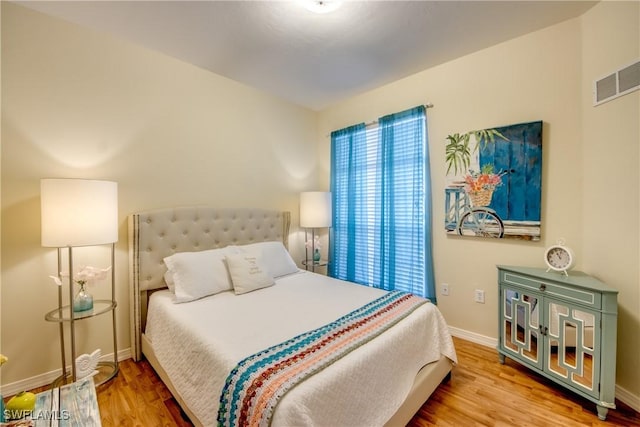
{"points": [[168, 279], [274, 255], [198, 274], [248, 273]]}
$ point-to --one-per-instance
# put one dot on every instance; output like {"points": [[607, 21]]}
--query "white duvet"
{"points": [[199, 342]]}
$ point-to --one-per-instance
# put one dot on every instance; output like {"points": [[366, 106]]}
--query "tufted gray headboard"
{"points": [[156, 234]]}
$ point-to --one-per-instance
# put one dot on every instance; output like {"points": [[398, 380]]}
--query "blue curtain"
{"points": [[349, 173], [382, 204]]}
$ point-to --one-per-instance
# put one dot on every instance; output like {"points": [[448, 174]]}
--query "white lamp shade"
{"points": [[315, 209], [78, 212]]}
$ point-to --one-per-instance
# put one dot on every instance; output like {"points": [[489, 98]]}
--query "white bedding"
{"points": [[199, 342]]}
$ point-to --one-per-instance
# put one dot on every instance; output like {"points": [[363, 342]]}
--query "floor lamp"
{"points": [[74, 213], [315, 212]]}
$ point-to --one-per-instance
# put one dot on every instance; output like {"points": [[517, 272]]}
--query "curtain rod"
{"points": [[373, 122]]}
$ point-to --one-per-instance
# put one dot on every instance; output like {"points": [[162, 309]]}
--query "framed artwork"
{"points": [[494, 182]]}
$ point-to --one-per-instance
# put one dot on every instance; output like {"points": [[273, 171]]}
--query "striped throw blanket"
{"points": [[253, 388]]}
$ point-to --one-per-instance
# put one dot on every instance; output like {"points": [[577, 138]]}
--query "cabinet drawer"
{"points": [[550, 288]]}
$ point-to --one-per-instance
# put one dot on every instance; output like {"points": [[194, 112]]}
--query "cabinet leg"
{"points": [[602, 412], [501, 357]]}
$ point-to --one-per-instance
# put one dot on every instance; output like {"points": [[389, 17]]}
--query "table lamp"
{"points": [[315, 212]]}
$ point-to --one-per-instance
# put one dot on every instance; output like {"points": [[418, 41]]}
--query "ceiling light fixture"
{"points": [[321, 6]]}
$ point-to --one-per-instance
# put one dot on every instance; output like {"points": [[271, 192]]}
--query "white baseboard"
{"points": [[473, 337], [628, 398], [625, 396], [48, 377]]}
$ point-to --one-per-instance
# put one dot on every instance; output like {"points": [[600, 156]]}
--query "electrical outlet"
{"points": [[444, 289], [479, 296]]}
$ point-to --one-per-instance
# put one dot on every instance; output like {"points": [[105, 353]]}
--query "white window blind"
{"points": [[378, 186]]}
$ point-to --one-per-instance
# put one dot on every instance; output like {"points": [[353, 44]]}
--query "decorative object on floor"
{"points": [[559, 257], [494, 183], [315, 212], [86, 364], [20, 405], [76, 402], [79, 212]]}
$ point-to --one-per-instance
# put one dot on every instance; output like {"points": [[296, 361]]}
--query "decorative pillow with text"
{"points": [[274, 255], [248, 273]]}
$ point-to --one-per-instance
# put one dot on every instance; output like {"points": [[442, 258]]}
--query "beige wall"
{"points": [[535, 77], [76, 103], [611, 141], [79, 104]]}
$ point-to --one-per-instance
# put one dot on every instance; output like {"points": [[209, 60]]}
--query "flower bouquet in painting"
{"points": [[479, 186]]}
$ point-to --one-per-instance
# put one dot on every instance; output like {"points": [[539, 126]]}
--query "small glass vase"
{"points": [[316, 255], [83, 301]]}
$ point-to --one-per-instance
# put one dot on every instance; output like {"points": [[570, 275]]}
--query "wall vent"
{"points": [[616, 84]]}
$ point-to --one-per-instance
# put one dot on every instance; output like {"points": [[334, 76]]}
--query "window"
{"points": [[382, 204]]}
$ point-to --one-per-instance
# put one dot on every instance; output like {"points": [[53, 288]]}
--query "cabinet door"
{"points": [[572, 337], [521, 325]]}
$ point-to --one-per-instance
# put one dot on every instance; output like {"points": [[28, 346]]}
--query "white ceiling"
{"points": [[310, 59]]}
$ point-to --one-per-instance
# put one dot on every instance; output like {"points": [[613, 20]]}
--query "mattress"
{"points": [[198, 343]]}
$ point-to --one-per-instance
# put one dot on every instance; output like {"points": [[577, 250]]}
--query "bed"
{"points": [[193, 345]]}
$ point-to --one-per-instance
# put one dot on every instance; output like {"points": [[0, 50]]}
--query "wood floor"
{"points": [[481, 392]]}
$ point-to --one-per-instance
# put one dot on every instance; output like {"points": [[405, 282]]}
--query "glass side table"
{"points": [[311, 265], [64, 316], [106, 370]]}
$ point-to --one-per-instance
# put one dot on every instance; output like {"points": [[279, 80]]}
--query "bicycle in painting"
{"points": [[466, 213]]}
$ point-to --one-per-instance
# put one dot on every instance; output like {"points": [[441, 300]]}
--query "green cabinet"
{"points": [[562, 326]]}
